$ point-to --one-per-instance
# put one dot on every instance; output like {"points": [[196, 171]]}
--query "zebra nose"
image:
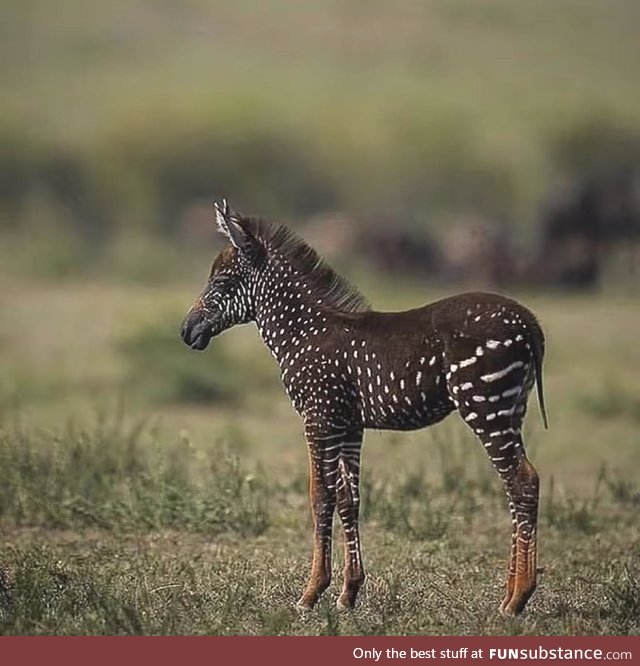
{"points": [[196, 330]]}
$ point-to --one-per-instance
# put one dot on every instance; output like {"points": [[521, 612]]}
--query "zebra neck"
{"points": [[286, 315]]}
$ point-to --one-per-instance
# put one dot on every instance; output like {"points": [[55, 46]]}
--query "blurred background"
{"points": [[448, 140], [423, 147]]}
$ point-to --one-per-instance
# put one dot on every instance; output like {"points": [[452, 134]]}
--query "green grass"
{"points": [[129, 506], [117, 479], [142, 580]]}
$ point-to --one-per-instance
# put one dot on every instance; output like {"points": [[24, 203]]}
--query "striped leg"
{"points": [[494, 410], [521, 484], [324, 454], [511, 567], [523, 490], [348, 510]]}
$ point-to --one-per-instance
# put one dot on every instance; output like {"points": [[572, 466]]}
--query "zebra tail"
{"points": [[538, 354]]}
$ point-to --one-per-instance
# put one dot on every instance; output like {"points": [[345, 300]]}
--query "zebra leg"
{"points": [[348, 510], [523, 489], [521, 484], [324, 454], [494, 409], [511, 567]]}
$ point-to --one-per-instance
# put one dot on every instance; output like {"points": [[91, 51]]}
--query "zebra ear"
{"points": [[229, 225]]}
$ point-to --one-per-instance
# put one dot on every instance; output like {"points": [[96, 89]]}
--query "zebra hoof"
{"points": [[512, 606], [303, 607], [346, 602], [505, 611]]}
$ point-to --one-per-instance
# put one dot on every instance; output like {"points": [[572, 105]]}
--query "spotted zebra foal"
{"points": [[346, 368]]}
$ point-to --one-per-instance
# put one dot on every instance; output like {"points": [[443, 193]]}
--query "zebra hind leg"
{"points": [[520, 479], [494, 409], [502, 439], [522, 487]]}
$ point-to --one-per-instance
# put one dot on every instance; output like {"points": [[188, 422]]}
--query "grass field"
{"points": [[149, 489]]}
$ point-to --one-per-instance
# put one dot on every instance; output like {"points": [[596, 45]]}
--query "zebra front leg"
{"points": [[324, 453], [348, 510]]}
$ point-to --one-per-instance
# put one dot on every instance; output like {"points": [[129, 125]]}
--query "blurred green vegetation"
{"points": [[159, 371], [124, 116]]}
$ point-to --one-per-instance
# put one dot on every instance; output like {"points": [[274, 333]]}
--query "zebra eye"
{"points": [[222, 282]]}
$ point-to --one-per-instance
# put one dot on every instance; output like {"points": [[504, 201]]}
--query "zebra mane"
{"points": [[281, 242]]}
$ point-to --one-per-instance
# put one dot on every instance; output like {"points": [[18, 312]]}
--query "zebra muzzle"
{"points": [[196, 331]]}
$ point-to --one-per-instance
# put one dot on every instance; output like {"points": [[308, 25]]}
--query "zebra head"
{"points": [[227, 298]]}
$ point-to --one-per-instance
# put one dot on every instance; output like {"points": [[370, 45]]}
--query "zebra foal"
{"points": [[346, 368]]}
